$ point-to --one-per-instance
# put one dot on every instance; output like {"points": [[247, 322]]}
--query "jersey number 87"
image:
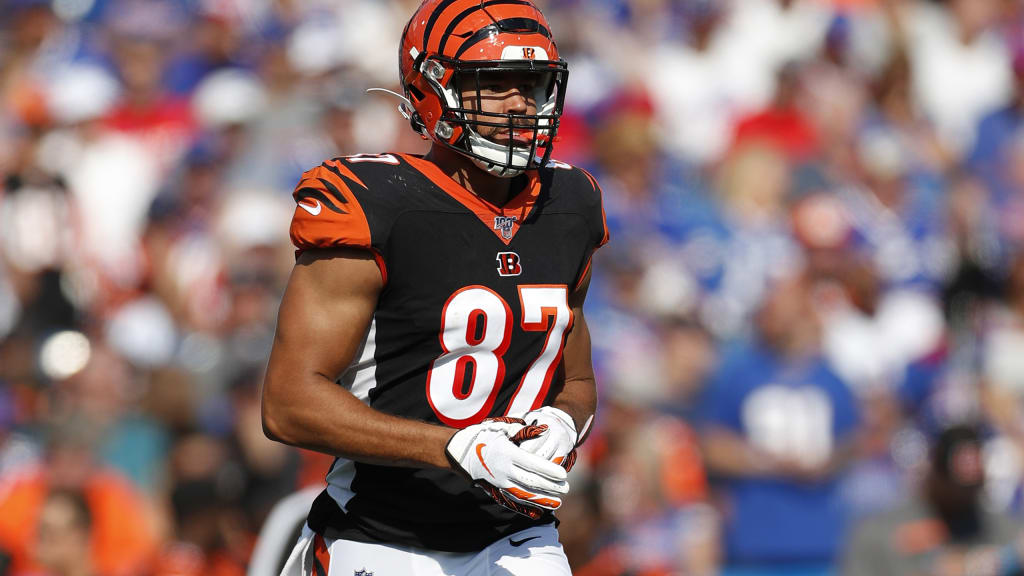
{"points": [[476, 331]]}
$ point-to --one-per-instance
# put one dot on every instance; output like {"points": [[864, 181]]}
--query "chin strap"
{"points": [[481, 147], [495, 170]]}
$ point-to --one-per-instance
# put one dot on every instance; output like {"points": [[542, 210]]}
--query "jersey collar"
{"points": [[505, 220]]}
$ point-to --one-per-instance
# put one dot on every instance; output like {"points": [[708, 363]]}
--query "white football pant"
{"points": [[531, 552]]}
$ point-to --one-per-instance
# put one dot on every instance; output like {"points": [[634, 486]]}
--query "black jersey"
{"points": [[470, 324]]}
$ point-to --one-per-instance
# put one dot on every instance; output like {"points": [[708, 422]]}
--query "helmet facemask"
{"points": [[463, 125]]}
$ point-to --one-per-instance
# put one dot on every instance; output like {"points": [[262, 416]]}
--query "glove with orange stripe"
{"points": [[558, 443], [488, 453]]}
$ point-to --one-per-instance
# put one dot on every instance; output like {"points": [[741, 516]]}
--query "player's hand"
{"points": [[488, 453], [558, 443]]}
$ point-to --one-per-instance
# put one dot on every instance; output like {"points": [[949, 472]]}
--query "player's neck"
{"points": [[462, 170]]}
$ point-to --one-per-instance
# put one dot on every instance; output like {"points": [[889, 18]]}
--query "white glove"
{"points": [[488, 453], [560, 439]]}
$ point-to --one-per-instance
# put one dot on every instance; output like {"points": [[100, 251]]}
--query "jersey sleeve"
{"points": [[327, 212]]}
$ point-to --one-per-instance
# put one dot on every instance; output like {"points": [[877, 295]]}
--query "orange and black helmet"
{"points": [[452, 43]]}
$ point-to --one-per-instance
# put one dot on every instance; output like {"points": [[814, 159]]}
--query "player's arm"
{"points": [[324, 316], [578, 393]]}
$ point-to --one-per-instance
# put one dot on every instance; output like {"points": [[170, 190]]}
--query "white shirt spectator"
{"points": [[872, 352], [696, 100], [772, 35], [955, 82]]}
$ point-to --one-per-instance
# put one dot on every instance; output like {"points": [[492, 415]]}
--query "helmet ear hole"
{"points": [[415, 92]]}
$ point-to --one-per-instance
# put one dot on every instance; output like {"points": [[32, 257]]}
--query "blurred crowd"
{"points": [[811, 314]]}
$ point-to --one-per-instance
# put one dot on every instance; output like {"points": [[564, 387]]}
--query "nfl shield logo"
{"points": [[363, 572], [505, 224]]}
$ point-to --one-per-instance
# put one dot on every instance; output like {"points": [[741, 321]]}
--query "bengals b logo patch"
{"points": [[508, 264]]}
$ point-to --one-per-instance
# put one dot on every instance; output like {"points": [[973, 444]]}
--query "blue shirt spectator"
{"points": [[777, 426], [997, 134]]}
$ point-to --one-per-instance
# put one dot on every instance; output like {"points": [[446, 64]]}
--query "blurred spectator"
{"points": [[650, 200], [688, 356], [943, 528], [345, 101], [835, 90], [270, 470], [778, 31], [758, 248], [104, 393], [163, 121], [30, 51], [893, 109], [895, 219], [997, 132], [112, 178], [960, 66], [64, 534], [1003, 369], [1003, 392], [979, 254], [778, 430], [782, 125], [870, 335], [123, 537], [36, 244], [216, 44], [653, 493], [996, 154], [870, 338], [695, 101], [209, 535]]}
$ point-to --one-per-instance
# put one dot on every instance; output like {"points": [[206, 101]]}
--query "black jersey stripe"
{"points": [[346, 179], [528, 25], [308, 192], [333, 190], [465, 13], [433, 20], [333, 169]]}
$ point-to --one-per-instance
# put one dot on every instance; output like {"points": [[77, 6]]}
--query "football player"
{"points": [[431, 336]]}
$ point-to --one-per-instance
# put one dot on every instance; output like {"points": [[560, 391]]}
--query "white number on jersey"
{"points": [[475, 333]]}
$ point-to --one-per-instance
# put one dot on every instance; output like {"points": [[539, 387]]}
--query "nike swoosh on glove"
{"points": [[488, 453], [558, 443]]}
